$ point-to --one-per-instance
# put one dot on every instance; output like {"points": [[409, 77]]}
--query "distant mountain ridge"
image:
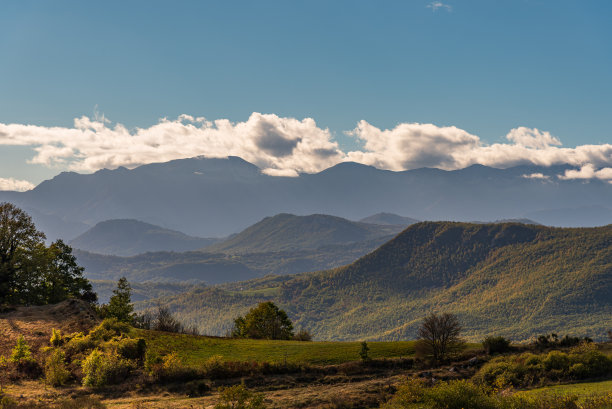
{"points": [[508, 279], [129, 237], [208, 197], [389, 219], [287, 232], [283, 244]]}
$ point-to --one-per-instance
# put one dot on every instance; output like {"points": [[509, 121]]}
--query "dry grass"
{"points": [[35, 323]]}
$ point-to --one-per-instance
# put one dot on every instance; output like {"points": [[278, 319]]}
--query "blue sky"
{"points": [[485, 67]]}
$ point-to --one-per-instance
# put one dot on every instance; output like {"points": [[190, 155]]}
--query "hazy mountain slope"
{"points": [[508, 279], [141, 291], [218, 197], [127, 237], [194, 266], [389, 219], [217, 268], [589, 215], [287, 232]]}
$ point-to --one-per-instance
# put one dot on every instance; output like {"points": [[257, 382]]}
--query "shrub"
{"points": [[415, 394], [302, 335], [131, 348], [214, 367], [239, 397], [447, 395], [56, 338], [21, 352], [104, 369], [108, 329], [556, 360], [56, 373], [496, 345], [529, 369], [169, 368], [363, 353], [79, 342]]}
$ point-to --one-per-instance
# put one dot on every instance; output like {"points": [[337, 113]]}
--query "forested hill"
{"points": [[288, 232], [508, 279], [128, 237]]}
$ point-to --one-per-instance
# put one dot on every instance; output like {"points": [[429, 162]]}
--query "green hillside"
{"points": [[287, 232], [509, 279]]}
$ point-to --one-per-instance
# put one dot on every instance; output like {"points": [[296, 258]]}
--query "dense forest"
{"points": [[510, 279]]}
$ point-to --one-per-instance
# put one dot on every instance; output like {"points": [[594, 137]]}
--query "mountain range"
{"points": [[282, 244], [507, 279], [208, 197]]}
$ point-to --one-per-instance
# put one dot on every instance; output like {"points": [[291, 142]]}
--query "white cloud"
{"points": [[288, 146], [435, 5], [537, 176], [588, 172], [532, 138], [277, 145], [414, 145], [15, 184]]}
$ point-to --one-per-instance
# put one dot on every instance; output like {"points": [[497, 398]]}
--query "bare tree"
{"points": [[439, 337]]}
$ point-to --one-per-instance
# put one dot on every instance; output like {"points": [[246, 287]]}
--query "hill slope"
{"points": [[508, 279], [287, 232], [128, 237]]}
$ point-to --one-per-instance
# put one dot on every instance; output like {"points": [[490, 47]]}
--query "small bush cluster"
{"points": [[553, 341], [162, 320], [528, 369], [417, 394], [239, 397], [105, 368], [496, 345], [106, 355]]}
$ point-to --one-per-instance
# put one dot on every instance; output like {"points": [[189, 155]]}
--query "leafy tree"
{"points": [[120, 305], [64, 277], [18, 239], [31, 272], [266, 321], [165, 321], [439, 336]]}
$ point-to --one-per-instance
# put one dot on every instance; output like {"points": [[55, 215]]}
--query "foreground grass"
{"points": [[195, 350], [581, 390]]}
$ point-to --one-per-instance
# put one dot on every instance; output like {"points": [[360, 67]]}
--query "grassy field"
{"points": [[581, 390], [195, 350]]}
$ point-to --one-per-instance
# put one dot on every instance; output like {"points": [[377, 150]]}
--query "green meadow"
{"points": [[195, 350], [581, 390]]}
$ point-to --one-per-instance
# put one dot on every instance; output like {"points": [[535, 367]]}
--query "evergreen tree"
{"points": [[120, 305]]}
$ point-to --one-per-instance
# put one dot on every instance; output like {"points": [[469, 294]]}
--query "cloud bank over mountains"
{"points": [[288, 146], [15, 184]]}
